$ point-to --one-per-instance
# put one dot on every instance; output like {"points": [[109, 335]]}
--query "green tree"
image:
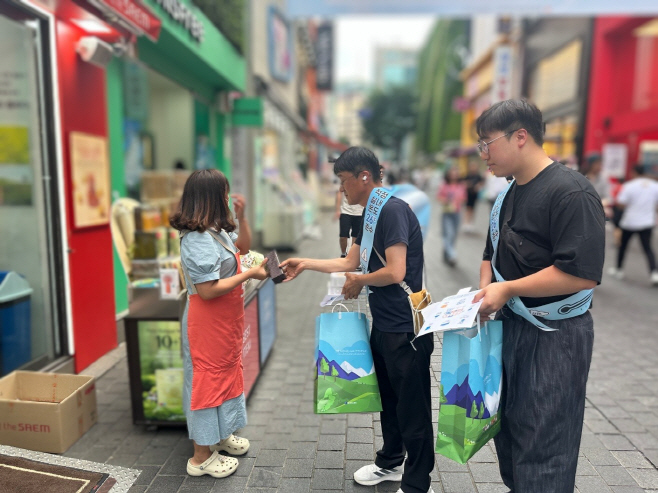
{"points": [[481, 416], [324, 366], [334, 372], [389, 116], [442, 396], [474, 410], [439, 64]]}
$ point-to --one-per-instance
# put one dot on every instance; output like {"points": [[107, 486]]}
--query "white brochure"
{"points": [[454, 312]]}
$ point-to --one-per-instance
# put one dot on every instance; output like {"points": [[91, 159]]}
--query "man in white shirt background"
{"points": [[349, 217], [639, 199]]}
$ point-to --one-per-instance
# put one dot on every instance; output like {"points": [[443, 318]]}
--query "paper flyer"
{"points": [[454, 312], [331, 298]]}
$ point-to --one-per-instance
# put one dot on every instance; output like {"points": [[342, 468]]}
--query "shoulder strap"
{"points": [[403, 284], [376, 201], [572, 306], [218, 237], [186, 274]]}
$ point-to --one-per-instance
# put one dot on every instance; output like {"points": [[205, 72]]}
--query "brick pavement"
{"points": [[294, 450]]}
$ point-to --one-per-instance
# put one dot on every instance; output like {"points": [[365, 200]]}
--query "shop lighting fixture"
{"points": [[92, 26]]}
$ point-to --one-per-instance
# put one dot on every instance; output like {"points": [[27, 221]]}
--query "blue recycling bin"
{"points": [[15, 321]]}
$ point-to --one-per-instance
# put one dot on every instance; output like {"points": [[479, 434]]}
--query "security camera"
{"points": [[94, 50]]}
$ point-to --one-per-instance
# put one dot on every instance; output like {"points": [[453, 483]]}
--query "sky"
{"points": [[356, 38]]}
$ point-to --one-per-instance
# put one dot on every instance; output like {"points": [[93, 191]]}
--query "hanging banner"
{"points": [[502, 81], [280, 45], [324, 54]]}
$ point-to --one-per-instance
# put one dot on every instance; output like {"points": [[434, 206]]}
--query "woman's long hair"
{"points": [[204, 203], [451, 175]]}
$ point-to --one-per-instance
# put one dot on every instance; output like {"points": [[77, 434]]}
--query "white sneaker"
{"points": [[371, 475], [616, 273], [428, 491], [654, 278]]}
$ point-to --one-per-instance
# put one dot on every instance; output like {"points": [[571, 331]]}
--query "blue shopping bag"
{"points": [[345, 380], [471, 383]]}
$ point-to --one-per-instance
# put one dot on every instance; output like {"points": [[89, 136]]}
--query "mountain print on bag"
{"points": [[471, 382], [461, 394], [345, 375]]}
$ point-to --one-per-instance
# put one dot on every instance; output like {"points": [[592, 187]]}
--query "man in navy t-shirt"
{"points": [[402, 367]]}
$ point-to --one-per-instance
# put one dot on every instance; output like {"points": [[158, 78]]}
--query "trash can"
{"points": [[15, 321]]}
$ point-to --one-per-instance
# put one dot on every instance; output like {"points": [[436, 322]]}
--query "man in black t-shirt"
{"points": [[551, 242], [402, 367]]}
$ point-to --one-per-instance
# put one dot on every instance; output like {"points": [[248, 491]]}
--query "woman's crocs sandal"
{"points": [[217, 466], [232, 445]]}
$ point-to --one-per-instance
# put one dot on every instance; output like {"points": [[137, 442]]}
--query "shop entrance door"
{"points": [[31, 301]]}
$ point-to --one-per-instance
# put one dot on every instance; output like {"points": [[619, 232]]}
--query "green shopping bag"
{"points": [[345, 380], [471, 382]]}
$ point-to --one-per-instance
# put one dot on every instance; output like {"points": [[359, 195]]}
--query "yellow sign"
{"points": [[90, 169]]}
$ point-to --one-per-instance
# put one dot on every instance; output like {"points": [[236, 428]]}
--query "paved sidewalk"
{"points": [[294, 450]]}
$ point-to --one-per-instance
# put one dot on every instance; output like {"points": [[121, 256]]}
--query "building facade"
{"points": [[622, 113]]}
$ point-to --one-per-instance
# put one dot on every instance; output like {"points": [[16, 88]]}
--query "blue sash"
{"points": [[574, 305], [378, 197]]}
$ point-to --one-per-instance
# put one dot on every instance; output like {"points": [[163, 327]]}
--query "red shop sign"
{"points": [[135, 14]]}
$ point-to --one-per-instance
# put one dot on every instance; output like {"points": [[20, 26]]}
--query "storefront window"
{"points": [[29, 321], [556, 78], [559, 140]]}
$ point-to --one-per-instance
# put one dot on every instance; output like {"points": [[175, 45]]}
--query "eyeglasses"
{"points": [[342, 182], [483, 147]]}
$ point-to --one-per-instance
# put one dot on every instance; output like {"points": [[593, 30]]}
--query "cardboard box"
{"points": [[47, 412]]}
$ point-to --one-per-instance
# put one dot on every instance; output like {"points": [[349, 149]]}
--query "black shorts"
{"points": [[471, 199], [349, 224]]}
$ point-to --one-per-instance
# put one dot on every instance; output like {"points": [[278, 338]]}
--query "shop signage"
{"points": [[502, 81], [135, 14], [280, 45], [324, 53], [184, 16], [248, 112], [614, 158]]}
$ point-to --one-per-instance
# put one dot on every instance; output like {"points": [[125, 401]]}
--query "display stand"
{"points": [[155, 364]]}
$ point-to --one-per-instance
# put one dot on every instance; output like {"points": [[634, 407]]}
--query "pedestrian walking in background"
{"points": [[474, 183], [349, 221], [402, 368], [638, 200], [213, 320], [593, 171], [451, 195], [546, 242]]}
